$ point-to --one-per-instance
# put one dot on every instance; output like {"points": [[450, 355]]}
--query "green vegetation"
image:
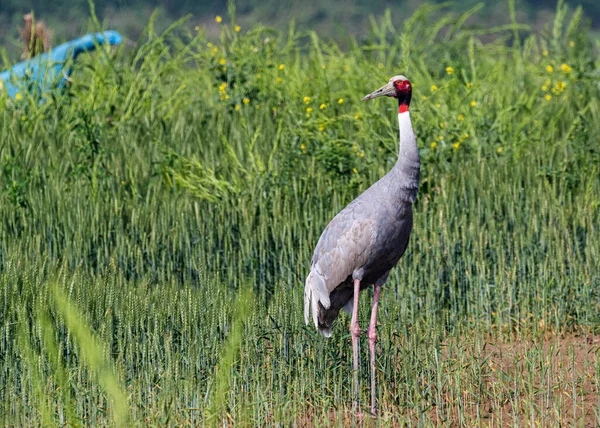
{"points": [[177, 177], [332, 19]]}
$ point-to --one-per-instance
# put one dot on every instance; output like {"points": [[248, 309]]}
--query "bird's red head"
{"points": [[403, 94], [398, 87], [402, 87]]}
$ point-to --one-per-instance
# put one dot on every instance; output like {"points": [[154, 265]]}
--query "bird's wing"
{"points": [[342, 248]]}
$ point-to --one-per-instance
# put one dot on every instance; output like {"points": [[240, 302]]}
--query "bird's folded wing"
{"points": [[342, 249]]}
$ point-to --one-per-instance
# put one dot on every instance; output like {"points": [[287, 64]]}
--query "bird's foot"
{"points": [[358, 414]]}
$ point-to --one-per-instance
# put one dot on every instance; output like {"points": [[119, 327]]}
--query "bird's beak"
{"points": [[385, 91]]}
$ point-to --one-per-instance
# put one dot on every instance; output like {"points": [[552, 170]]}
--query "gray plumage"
{"points": [[366, 239]]}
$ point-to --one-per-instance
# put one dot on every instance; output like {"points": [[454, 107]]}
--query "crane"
{"points": [[365, 240]]}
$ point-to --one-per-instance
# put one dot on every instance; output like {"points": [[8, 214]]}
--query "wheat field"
{"points": [[157, 220]]}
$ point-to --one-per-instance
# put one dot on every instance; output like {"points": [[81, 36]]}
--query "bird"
{"points": [[365, 240]]}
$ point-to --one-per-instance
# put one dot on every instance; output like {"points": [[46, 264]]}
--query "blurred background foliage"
{"points": [[337, 20]]}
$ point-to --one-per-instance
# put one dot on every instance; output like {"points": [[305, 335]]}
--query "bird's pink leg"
{"points": [[355, 331], [372, 333]]}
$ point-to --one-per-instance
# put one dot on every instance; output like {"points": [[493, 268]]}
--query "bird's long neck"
{"points": [[408, 165]]}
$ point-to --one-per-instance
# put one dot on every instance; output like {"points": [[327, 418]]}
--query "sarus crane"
{"points": [[365, 240]]}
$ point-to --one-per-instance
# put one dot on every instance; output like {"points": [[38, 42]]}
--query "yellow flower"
{"points": [[468, 85], [442, 125], [548, 97], [237, 107], [362, 154], [197, 28], [449, 70], [306, 100], [560, 86], [549, 69], [302, 146], [246, 101], [258, 76], [565, 68], [209, 45], [545, 53], [357, 117], [223, 87], [222, 61], [218, 19], [544, 88], [237, 28], [307, 115], [321, 127], [323, 66], [309, 110], [340, 101], [19, 97], [455, 146], [433, 145], [460, 117], [433, 88], [281, 66], [438, 105], [354, 170], [23, 118], [466, 136], [571, 43], [473, 103], [499, 150], [323, 106], [440, 138], [279, 80], [215, 50]]}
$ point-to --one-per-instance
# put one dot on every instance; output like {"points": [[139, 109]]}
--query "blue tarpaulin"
{"points": [[46, 71]]}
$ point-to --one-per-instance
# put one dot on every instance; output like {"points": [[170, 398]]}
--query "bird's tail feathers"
{"points": [[326, 332], [315, 292], [348, 306]]}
